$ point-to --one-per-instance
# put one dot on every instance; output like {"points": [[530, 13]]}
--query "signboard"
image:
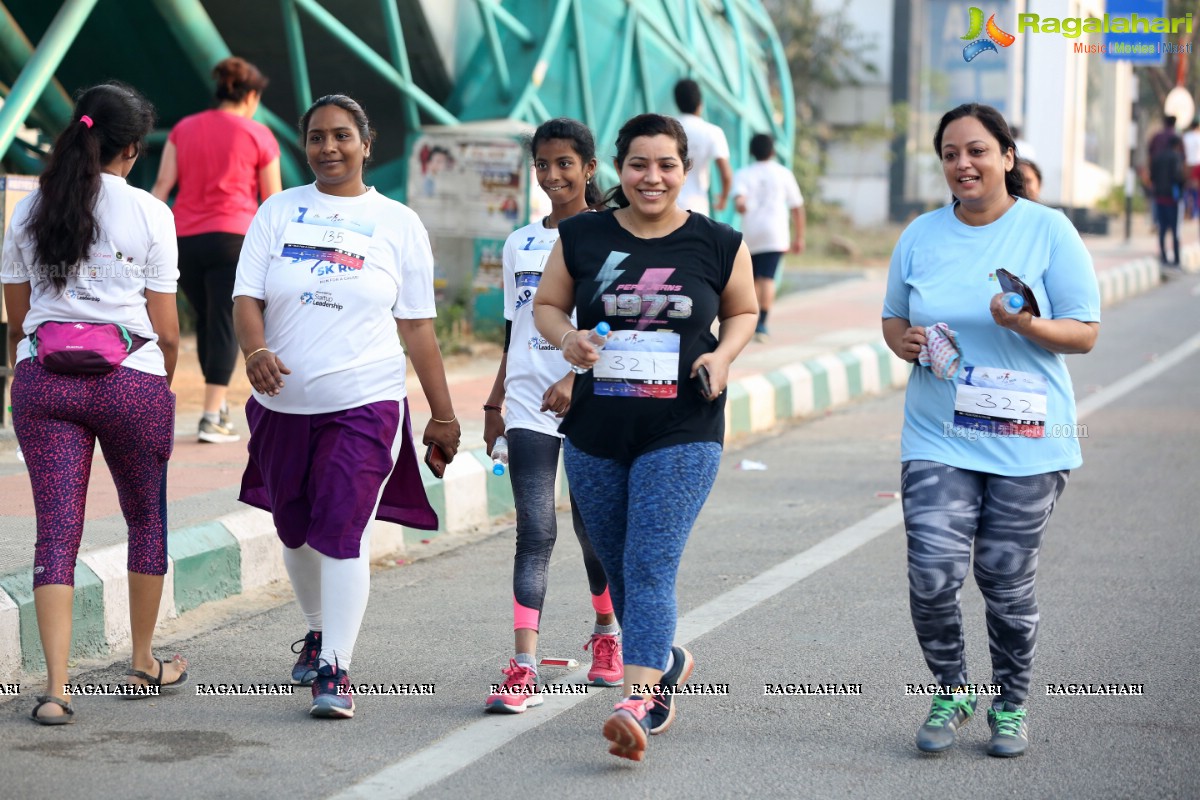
{"points": [[1139, 47]]}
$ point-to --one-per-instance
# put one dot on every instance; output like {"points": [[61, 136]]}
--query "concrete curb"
{"points": [[240, 551]]}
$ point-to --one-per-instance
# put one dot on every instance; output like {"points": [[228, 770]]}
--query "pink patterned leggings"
{"points": [[58, 419]]}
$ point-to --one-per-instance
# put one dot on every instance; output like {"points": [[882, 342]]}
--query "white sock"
{"points": [[212, 416], [304, 569], [346, 585]]}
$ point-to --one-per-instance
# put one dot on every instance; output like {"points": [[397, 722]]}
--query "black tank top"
{"points": [[655, 287]]}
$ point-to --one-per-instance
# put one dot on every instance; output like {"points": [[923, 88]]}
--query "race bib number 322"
{"points": [[1001, 402]]}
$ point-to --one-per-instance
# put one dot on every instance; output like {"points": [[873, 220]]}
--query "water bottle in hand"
{"points": [[1012, 303], [500, 455], [598, 337]]}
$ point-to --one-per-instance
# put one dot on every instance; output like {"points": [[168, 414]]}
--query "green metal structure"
{"points": [[600, 61]]}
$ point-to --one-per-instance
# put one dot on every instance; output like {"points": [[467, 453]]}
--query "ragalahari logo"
{"points": [[995, 36]]}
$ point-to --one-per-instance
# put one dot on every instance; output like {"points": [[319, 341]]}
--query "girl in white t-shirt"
{"points": [[88, 249], [329, 273], [536, 383]]}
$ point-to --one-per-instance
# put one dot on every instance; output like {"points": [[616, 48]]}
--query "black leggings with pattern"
{"points": [[947, 511]]}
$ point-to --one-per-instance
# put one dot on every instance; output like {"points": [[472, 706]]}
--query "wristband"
{"points": [[442, 421], [490, 407], [256, 352], [563, 340]]}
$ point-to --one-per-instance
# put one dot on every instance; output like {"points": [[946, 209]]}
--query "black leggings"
{"points": [[207, 268], [533, 466]]}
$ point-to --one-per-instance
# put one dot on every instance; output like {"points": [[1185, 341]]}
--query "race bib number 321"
{"points": [[638, 364]]}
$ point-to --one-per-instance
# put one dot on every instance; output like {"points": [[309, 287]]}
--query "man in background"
{"points": [[706, 144]]}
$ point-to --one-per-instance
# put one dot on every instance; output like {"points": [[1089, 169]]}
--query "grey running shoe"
{"points": [[1010, 731], [217, 433], [948, 713]]}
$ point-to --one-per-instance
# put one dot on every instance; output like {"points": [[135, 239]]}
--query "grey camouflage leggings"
{"points": [[946, 510]]}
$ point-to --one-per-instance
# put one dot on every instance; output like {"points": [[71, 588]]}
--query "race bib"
{"points": [[1001, 402], [329, 244], [638, 364]]}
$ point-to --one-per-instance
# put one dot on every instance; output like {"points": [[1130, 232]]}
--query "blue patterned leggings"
{"points": [[638, 517], [946, 511]]}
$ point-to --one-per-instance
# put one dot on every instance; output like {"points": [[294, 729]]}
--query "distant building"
{"points": [[1072, 107]]}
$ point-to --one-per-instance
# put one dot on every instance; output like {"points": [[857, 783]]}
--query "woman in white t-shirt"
{"points": [[535, 384], [88, 250], [328, 275]]}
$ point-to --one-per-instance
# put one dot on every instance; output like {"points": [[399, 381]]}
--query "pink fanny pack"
{"points": [[83, 348]]}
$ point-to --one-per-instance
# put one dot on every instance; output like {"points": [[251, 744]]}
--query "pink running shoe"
{"points": [[608, 667], [518, 692], [628, 727]]}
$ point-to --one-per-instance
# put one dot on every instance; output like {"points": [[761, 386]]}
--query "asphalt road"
{"points": [[793, 575]]}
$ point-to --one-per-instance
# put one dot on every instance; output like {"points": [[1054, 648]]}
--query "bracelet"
{"points": [[563, 340], [490, 407], [442, 421], [256, 352]]}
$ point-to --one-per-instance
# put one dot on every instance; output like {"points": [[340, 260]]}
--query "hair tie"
{"points": [[86, 120]]}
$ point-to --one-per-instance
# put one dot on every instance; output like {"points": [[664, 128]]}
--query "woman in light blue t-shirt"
{"points": [[987, 446]]}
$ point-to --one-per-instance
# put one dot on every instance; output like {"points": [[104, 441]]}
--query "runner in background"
{"points": [[766, 195], [706, 144], [224, 163], [989, 426], [645, 428], [329, 274], [533, 385]]}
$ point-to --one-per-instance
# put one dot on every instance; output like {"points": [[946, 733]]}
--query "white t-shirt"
{"points": [[336, 273], [1191, 147], [706, 142], [136, 251], [771, 192], [533, 363]]}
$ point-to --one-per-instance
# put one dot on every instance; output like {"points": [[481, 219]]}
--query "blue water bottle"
{"points": [[598, 337], [1012, 303]]}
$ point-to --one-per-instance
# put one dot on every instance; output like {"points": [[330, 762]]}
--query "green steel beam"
{"points": [[509, 21], [395, 34], [39, 69], [297, 61], [542, 63], [53, 109], [585, 76], [377, 63], [203, 47], [624, 70], [492, 33]]}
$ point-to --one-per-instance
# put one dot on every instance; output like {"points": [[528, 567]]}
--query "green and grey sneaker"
{"points": [[948, 713], [1010, 732]]}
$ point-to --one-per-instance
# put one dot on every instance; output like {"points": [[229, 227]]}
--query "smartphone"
{"points": [[705, 384], [435, 459], [1011, 283]]}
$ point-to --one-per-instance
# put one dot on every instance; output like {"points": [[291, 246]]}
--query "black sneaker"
{"points": [[948, 713], [332, 696], [1010, 731], [305, 670], [662, 713]]}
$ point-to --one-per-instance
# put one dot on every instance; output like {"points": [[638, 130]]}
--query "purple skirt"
{"points": [[319, 474]]}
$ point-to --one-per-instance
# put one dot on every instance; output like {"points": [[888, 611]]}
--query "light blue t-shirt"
{"points": [[944, 270]]}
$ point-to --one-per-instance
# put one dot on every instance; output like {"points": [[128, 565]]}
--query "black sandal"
{"points": [[66, 718], [153, 681]]}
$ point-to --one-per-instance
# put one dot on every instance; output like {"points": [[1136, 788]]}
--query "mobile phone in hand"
{"points": [[435, 459], [1011, 283], [705, 383]]}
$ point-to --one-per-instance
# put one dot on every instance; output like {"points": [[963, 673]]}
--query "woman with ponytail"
{"points": [[224, 163], [535, 384], [89, 271]]}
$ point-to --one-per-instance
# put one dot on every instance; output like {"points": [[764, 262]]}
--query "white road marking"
{"points": [[1138, 377]]}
